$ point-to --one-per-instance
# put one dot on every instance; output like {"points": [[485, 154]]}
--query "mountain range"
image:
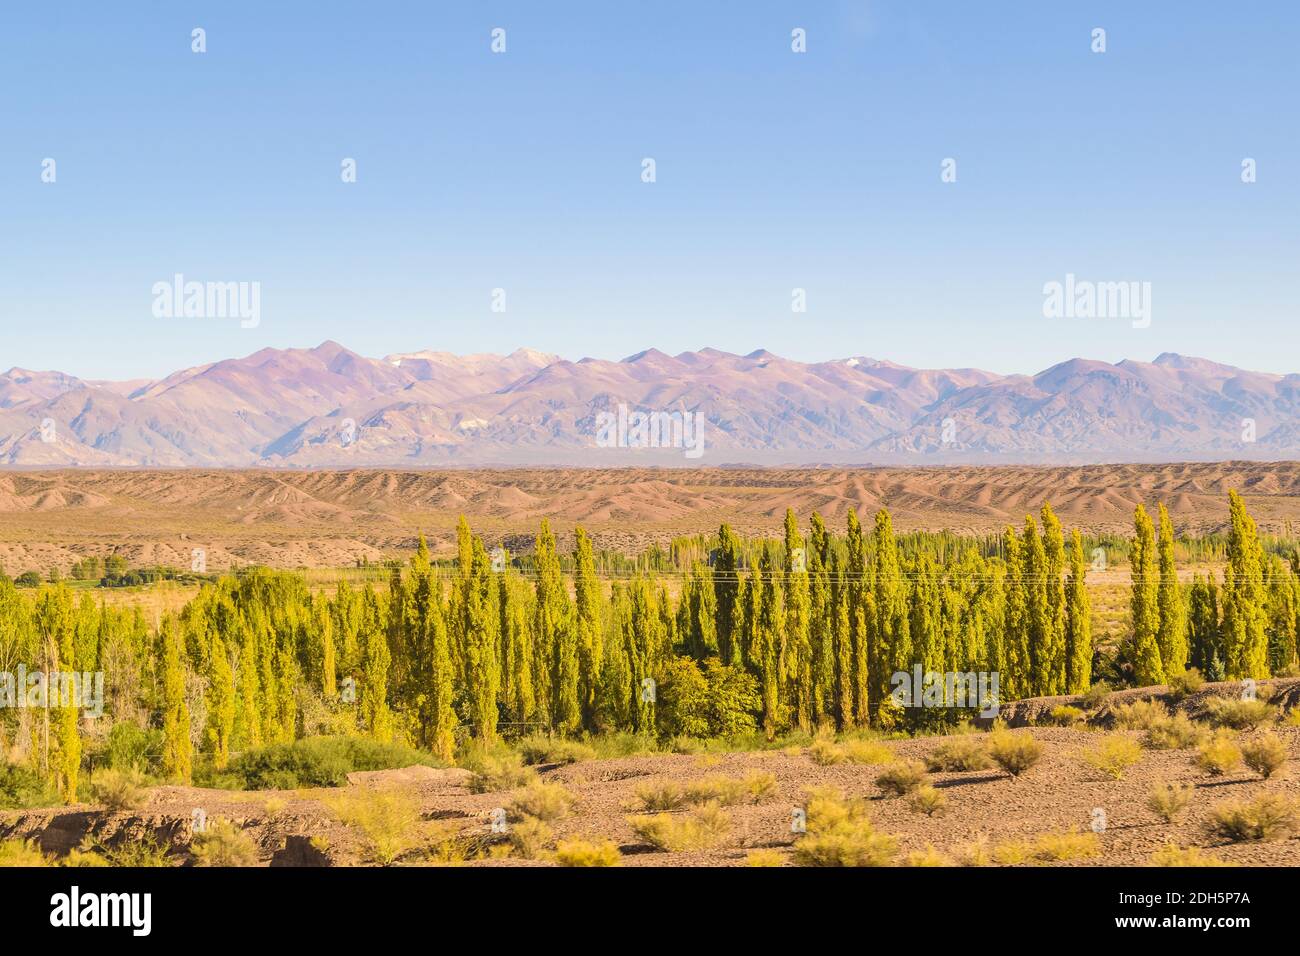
{"points": [[331, 407]]}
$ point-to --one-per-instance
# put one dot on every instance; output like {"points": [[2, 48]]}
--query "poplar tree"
{"points": [[726, 591], [178, 752], [767, 649], [480, 626], [821, 615], [555, 633], [1037, 630], [1148, 668], [1078, 622], [1054, 601], [798, 641], [1282, 613], [1173, 621], [843, 640], [376, 716], [892, 649], [1245, 644], [221, 703], [1205, 640], [1018, 681], [591, 635]]}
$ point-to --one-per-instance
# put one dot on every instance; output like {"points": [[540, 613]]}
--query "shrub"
{"points": [[79, 858], [870, 752], [540, 749], [1112, 755], [1063, 715], [320, 762], [1095, 696], [1014, 752], [1219, 755], [664, 795], [498, 770], [840, 834], [1140, 714], [22, 788], [1292, 718], [1168, 800], [974, 853], [754, 787], [926, 799], [1239, 714], [547, 802], [25, 853], [388, 820], [1070, 845], [584, 853], [901, 778], [824, 752], [927, 857], [1265, 754], [131, 747], [765, 858], [146, 852], [1188, 682], [704, 827], [529, 837], [1175, 733], [1013, 853], [119, 789], [959, 754], [223, 844], [1270, 816], [1170, 855]]}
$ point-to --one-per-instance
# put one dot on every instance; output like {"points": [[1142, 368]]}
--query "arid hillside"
{"points": [[332, 518]]}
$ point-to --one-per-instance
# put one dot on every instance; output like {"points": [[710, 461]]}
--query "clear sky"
{"points": [[775, 170]]}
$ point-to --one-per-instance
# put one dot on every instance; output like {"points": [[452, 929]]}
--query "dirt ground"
{"points": [[1060, 793]]}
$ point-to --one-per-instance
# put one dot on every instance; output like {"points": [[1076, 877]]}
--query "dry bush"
{"points": [[1013, 852], [1292, 717], [389, 820], [869, 752], [1140, 714], [585, 853], [657, 796], [1270, 816], [1095, 696], [1014, 752], [976, 852], [840, 834], [541, 749], [927, 857], [1175, 733], [764, 858], [24, 853], [499, 771], [1239, 714], [958, 755], [754, 787], [701, 829], [1170, 855], [1265, 754], [1067, 845], [1112, 755], [547, 802], [901, 778], [1168, 800], [530, 837], [119, 789], [825, 752], [1219, 755], [1063, 715], [223, 844], [1188, 682], [927, 800]]}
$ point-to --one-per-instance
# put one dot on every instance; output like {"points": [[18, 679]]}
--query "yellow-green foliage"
{"points": [[119, 789], [702, 828], [976, 852], [1014, 752], [1188, 682], [78, 857], [754, 787], [1013, 852], [926, 799], [840, 834], [530, 837], [901, 778], [764, 858], [22, 853], [959, 754], [825, 752], [545, 801], [1175, 733], [1095, 696], [1069, 845], [223, 844], [1063, 715], [1292, 717], [927, 857], [1112, 755], [1270, 816], [585, 853], [1140, 714], [1168, 800], [869, 752], [1171, 855], [656, 796], [1219, 755], [541, 749], [1265, 754], [497, 770], [1239, 714], [389, 820]]}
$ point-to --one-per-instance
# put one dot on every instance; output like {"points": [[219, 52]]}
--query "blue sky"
{"points": [[775, 171]]}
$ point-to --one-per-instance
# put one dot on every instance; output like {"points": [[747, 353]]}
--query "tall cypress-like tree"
{"points": [[1018, 681], [891, 650], [767, 650], [1037, 629], [481, 626], [555, 632], [1245, 643], [1148, 667], [221, 703], [1078, 622], [821, 620], [726, 590], [798, 613], [842, 636], [1172, 637], [1282, 614], [1054, 603], [178, 750], [1204, 638], [589, 625]]}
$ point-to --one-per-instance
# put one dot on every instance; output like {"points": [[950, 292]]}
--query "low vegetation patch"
{"points": [[1239, 714], [223, 844], [1171, 855], [547, 802], [1168, 800], [701, 829], [388, 820], [959, 754], [1219, 755], [1265, 754], [586, 853], [928, 800], [1015, 753], [1113, 755], [541, 749], [901, 778], [119, 789], [839, 833], [1270, 816], [1177, 732], [1063, 715], [1140, 715], [317, 762]]}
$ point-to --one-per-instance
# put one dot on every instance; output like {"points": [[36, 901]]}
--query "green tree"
{"points": [[1148, 668], [1078, 622], [1172, 637], [178, 750], [1244, 600], [798, 613]]}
